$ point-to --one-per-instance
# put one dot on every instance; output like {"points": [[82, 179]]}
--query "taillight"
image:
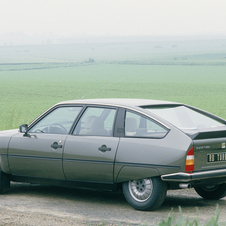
{"points": [[190, 161]]}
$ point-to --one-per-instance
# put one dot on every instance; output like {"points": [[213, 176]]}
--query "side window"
{"points": [[96, 122], [137, 125], [59, 121]]}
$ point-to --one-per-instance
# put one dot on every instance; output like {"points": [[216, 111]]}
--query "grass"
{"points": [[27, 93], [171, 220], [181, 221]]}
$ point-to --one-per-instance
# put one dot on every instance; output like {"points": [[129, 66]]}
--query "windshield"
{"points": [[185, 118]]}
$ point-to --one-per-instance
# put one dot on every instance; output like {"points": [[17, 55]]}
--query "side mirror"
{"points": [[23, 129]]}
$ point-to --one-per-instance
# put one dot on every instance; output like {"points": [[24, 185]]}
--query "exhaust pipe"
{"points": [[185, 185]]}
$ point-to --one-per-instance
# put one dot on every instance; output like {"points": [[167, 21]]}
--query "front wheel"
{"points": [[4, 181], [145, 194], [213, 192]]}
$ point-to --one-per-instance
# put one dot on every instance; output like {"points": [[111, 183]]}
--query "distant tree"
{"points": [[91, 60]]}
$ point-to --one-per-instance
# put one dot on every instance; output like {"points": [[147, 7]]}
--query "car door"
{"points": [[90, 151], [39, 153]]}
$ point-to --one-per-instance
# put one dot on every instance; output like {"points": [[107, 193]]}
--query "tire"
{"points": [[213, 192], [145, 194], [4, 181]]}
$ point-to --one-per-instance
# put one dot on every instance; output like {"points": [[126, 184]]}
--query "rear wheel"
{"points": [[213, 192], [145, 194]]}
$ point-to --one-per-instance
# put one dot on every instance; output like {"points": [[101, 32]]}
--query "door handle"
{"points": [[55, 145], [104, 148]]}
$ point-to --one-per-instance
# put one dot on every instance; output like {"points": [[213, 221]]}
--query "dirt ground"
{"points": [[25, 204]]}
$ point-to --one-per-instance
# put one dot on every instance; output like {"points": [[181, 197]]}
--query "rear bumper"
{"points": [[196, 176]]}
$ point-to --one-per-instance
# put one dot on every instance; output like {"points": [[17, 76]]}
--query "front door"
{"points": [[40, 153]]}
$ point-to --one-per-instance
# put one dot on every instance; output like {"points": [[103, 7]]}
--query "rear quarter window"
{"points": [[137, 125]]}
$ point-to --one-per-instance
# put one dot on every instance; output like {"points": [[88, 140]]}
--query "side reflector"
{"points": [[190, 161]]}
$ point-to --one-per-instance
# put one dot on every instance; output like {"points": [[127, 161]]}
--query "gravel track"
{"points": [[25, 204]]}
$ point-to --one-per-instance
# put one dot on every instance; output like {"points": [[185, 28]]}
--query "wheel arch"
{"points": [[127, 173]]}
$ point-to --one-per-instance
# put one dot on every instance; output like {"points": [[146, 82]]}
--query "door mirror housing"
{"points": [[23, 129]]}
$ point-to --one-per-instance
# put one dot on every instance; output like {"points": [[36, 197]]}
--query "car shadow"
{"points": [[188, 199], [174, 199], [72, 194]]}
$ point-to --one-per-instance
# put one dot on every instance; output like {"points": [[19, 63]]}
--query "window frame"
{"points": [[78, 120], [50, 110]]}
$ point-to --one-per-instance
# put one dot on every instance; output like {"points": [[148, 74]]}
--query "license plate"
{"points": [[219, 157]]}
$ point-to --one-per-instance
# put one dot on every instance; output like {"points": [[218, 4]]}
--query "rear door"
{"points": [[89, 153]]}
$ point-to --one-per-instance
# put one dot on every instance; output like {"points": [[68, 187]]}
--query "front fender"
{"points": [[5, 137]]}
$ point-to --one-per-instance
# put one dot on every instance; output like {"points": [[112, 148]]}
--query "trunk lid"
{"points": [[210, 150]]}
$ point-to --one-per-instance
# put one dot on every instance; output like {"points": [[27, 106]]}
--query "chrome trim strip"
{"points": [[147, 165], [35, 157], [129, 108], [102, 104], [87, 161]]}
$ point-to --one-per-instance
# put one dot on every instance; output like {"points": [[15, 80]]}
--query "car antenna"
{"points": [[102, 87]]}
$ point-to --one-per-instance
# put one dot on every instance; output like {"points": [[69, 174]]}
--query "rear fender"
{"points": [[128, 173]]}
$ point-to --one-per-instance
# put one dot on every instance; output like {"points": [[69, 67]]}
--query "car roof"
{"points": [[123, 102]]}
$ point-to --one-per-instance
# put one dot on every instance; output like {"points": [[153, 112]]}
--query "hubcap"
{"points": [[141, 190]]}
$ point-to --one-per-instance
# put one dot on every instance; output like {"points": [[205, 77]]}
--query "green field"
{"points": [[33, 80]]}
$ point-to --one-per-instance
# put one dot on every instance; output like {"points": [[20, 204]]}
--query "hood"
{"points": [[6, 133]]}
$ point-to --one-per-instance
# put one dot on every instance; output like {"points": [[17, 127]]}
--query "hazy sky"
{"points": [[69, 18]]}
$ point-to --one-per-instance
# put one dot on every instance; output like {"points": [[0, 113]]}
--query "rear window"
{"points": [[185, 118]]}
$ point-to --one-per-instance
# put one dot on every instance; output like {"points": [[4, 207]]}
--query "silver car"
{"points": [[143, 147]]}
